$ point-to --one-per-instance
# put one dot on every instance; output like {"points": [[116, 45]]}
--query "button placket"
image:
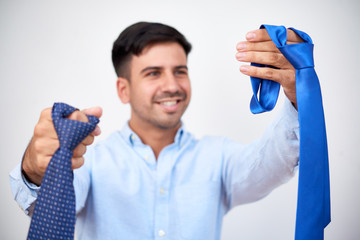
{"points": [[164, 166]]}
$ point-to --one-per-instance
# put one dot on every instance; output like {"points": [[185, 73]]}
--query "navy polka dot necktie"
{"points": [[54, 213]]}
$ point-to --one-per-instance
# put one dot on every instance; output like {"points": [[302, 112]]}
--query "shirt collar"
{"points": [[132, 138]]}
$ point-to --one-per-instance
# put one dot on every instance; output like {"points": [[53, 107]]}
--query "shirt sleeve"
{"points": [[251, 172], [24, 192]]}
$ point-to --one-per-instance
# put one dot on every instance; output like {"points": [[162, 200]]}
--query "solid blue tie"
{"points": [[54, 213], [313, 206]]}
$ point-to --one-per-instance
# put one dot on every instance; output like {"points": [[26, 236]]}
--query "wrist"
{"points": [[26, 169]]}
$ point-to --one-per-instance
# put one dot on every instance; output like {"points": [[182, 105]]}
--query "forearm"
{"points": [[265, 164]]}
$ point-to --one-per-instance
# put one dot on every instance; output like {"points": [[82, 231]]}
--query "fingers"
{"points": [[81, 116], [79, 151], [263, 73], [78, 116], [97, 131], [267, 58], [293, 37], [77, 162], [88, 140], [260, 49], [261, 35], [266, 46], [81, 148], [284, 77], [95, 111]]}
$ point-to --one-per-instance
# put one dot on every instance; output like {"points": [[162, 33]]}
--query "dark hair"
{"points": [[136, 37]]}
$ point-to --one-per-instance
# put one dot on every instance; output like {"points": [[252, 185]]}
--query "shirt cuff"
{"points": [[24, 192]]}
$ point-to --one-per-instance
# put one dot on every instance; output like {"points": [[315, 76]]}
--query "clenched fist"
{"points": [[45, 142]]}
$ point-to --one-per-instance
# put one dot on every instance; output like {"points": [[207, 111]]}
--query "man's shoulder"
{"points": [[210, 140]]}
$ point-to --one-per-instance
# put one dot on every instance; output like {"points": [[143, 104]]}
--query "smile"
{"points": [[169, 103]]}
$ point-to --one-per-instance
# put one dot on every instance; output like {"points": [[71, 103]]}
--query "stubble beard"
{"points": [[167, 122]]}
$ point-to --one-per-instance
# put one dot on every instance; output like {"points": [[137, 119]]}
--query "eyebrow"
{"points": [[181, 66], [159, 68]]}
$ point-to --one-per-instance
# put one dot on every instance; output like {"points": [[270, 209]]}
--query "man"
{"points": [[152, 179]]}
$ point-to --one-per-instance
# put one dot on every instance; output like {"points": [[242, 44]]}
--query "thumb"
{"points": [[95, 111]]}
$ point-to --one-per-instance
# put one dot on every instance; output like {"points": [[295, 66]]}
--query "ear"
{"points": [[123, 89]]}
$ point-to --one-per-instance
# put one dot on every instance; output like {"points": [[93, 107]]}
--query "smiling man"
{"points": [[153, 179], [158, 90]]}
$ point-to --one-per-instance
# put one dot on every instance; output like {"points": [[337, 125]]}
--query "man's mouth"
{"points": [[169, 103]]}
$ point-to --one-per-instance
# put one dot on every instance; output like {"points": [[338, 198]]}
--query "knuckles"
{"points": [[274, 59], [43, 126], [45, 113], [269, 74], [40, 129]]}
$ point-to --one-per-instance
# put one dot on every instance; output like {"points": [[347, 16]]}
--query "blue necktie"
{"points": [[313, 206], [54, 213]]}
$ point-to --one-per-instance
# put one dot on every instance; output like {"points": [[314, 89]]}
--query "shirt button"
{"points": [[133, 137], [146, 157], [162, 191], [161, 233]]}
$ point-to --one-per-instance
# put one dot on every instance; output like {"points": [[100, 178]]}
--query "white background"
{"points": [[60, 51]]}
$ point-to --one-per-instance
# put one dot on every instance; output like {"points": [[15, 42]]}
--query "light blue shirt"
{"points": [[123, 192]]}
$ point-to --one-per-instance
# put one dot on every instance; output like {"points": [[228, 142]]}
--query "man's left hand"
{"points": [[260, 49]]}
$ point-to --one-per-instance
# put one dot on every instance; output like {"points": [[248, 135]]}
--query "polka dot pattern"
{"points": [[54, 213]]}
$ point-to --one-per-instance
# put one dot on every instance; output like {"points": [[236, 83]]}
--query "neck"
{"points": [[155, 137]]}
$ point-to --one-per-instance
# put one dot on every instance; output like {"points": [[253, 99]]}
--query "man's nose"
{"points": [[170, 83]]}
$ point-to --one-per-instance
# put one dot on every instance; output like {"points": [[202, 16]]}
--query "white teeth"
{"points": [[169, 103]]}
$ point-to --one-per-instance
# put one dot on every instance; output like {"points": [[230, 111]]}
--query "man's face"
{"points": [[159, 89]]}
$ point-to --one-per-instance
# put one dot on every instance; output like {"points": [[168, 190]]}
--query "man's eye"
{"points": [[154, 73], [180, 72]]}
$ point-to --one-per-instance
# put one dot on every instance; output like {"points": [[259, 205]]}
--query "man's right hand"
{"points": [[45, 142]]}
